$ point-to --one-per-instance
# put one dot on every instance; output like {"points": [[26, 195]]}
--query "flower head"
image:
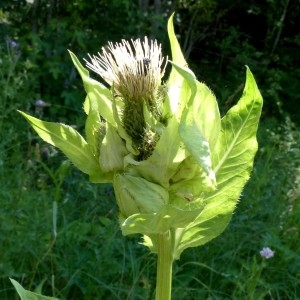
{"points": [[266, 252], [134, 70]]}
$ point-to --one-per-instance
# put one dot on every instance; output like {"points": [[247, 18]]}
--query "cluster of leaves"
{"points": [[230, 267]]}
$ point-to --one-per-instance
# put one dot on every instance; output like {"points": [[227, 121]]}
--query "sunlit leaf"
{"points": [[233, 161], [71, 143], [191, 123], [135, 194], [27, 295], [165, 159], [96, 92], [175, 80], [93, 128], [169, 217], [112, 151]]}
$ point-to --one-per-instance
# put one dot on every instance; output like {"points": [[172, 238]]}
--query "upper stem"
{"points": [[164, 267]]}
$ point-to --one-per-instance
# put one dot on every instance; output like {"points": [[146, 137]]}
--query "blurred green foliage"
{"points": [[78, 252]]}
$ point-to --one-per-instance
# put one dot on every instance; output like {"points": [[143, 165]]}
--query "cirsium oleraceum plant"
{"points": [[176, 166]]}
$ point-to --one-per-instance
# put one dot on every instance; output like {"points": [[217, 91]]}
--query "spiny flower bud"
{"points": [[134, 71]]}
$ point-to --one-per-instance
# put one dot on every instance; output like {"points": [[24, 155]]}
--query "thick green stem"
{"points": [[164, 267]]}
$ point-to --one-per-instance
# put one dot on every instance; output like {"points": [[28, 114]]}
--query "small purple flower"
{"points": [[41, 103], [12, 43], [266, 252]]}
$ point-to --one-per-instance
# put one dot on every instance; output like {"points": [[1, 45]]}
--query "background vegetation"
{"points": [[60, 234]]}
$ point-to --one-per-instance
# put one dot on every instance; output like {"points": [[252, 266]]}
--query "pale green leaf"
{"points": [[206, 114], [96, 92], [197, 146], [190, 190], [237, 144], [190, 78], [167, 218], [233, 161], [112, 151], [191, 123], [27, 295], [95, 130], [93, 127], [165, 159], [172, 103], [137, 195], [177, 55], [72, 144], [188, 169]]}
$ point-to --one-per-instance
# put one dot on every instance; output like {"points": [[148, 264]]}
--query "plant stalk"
{"points": [[164, 267]]}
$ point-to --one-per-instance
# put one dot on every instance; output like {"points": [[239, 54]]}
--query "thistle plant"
{"points": [[176, 166]]}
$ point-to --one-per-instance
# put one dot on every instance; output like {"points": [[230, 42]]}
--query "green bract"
{"points": [[181, 171]]}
